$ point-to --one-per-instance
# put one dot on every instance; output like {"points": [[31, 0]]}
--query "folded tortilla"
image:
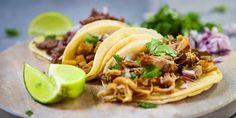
{"points": [[203, 83], [108, 47]]}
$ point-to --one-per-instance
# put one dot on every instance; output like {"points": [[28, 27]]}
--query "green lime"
{"points": [[49, 23], [63, 81]]}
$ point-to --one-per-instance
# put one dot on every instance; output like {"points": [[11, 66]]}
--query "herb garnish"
{"points": [[151, 71], [116, 67], [117, 58], [221, 8], [169, 21], [158, 48], [92, 39], [11, 32], [29, 113], [133, 76], [147, 105]]}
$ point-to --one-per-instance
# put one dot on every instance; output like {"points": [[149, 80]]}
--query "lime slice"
{"points": [[49, 23], [64, 81]]}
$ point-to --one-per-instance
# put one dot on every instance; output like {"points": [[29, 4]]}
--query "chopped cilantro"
{"points": [[11, 32], [133, 76], [50, 37], [169, 21], [29, 113], [116, 67], [221, 8], [138, 62], [147, 105], [92, 39], [151, 71], [158, 48], [117, 58]]}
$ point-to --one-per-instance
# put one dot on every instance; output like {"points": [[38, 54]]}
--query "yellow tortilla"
{"points": [[194, 88], [116, 41], [111, 25]]}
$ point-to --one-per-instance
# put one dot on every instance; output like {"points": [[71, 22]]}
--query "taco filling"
{"points": [[166, 64], [86, 51]]}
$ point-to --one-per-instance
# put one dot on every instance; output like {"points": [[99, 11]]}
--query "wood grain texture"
{"points": [[15, 99]]}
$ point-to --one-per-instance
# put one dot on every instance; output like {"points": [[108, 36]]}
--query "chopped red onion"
{"points": [[188, 72], [218, 59], [184, 86], [211, 40]]}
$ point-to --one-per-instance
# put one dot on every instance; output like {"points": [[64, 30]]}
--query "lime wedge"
{"points": [[49, 23], [64, 81], [69, 77]]}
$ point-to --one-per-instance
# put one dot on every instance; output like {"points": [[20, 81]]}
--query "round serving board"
{"points": [[15, 99]]}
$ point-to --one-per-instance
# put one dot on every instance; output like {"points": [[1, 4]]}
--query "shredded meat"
{"points": [[137, 71], [130, 64], [188, 58], [165, 64], [54, 47], [47, 44], [109, 75], [181, 44], [121, 89], [95, 15], [167, 83]]}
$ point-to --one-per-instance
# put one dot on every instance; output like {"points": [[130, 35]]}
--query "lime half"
{"points": [[64, 81], [49, 23]]}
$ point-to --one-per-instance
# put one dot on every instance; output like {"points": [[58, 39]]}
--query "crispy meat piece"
{"points": [[95, 15], [80, 60], [84, 48], [165, 64], [88, 67]]}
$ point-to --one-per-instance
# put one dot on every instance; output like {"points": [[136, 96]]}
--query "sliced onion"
{"points": [[188, 72], [127, 73], [218, 59], [184, 86]]}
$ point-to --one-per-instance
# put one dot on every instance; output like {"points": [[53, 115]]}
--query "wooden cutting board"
{"points": [[15, 99]]}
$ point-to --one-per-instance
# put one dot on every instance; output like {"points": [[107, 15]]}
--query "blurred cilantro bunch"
{"points": [[169, 21]]}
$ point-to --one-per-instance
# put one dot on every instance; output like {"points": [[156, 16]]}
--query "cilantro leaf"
{"points": [[147, 105], [151, 71], [133, 76], [117, 58], [158, 48], [11, 32], [29, 113], [221, 8], [92, 39], [116, 67]]}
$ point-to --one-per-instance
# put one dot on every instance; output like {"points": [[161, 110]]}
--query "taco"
{"points": [[158, 70], [52, 50], [81, 53]]}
